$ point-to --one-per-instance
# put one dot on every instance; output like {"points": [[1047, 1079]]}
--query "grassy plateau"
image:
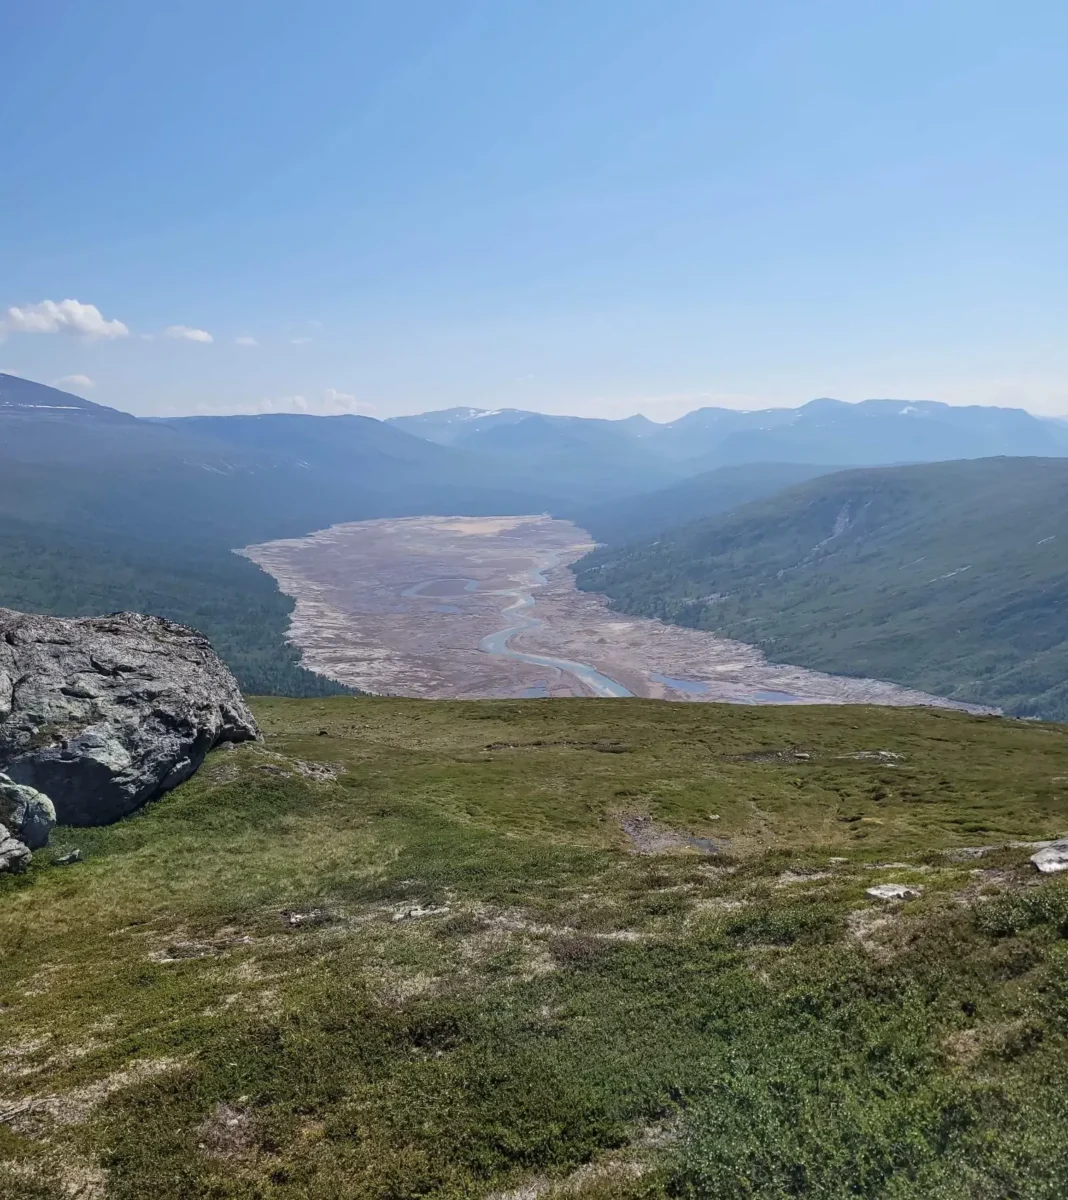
{"points": [[552, 948]]}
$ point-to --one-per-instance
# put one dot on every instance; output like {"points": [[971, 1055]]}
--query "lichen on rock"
{"points": [[102, 714], [28, 813], [26, 820]]}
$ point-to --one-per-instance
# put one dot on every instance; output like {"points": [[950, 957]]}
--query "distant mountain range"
{"points": [[250, 477], [825, 432], [951, 577], [229, 479]]}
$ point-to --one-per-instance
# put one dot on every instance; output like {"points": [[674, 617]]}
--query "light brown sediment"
{"points": [[382, 606]]}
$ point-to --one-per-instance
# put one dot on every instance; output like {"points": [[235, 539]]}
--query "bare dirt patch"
{"points": [[75, 1178], [871, 928], [75, 1106], [318, 772], [647, 837], [227, 1134], [589, 1178]]}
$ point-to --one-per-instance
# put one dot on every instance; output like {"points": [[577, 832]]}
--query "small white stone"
{"points": [[1052, 858], [894, 891]]}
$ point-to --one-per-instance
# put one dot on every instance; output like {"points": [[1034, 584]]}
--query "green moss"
{"points": [[446, 974]]}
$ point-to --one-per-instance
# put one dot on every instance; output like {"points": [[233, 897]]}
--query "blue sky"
{"points": [[591, 206]]}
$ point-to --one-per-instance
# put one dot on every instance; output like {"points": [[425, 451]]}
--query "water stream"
{"points": [[518, 611], [497, 643]]}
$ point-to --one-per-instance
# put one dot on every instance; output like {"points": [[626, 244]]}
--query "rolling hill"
{"points": [[950, 577]]}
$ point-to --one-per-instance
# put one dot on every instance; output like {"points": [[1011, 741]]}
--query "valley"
{"points": [[487, 608]]}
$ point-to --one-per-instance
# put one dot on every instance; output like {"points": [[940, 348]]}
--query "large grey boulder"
{"points": [[28, 814], [105, 713]]}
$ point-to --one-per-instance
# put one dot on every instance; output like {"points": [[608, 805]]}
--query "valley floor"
{"points": [[517, 950], [470, 607]]}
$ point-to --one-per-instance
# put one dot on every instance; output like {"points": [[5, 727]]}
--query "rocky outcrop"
{"points": [[105, 713], [14, 855], [26, 820]]}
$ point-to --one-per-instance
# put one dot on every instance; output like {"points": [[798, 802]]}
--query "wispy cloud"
{"points": [[65, 316], [245, 341], [185, 333], [337, 402], [330, 403], [299, 341], [81, 381]]}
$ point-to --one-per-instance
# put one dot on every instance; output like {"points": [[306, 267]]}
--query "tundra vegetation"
{"points": [[582, 948]]}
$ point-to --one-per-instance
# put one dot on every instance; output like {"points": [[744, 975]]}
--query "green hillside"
{"points": [[406, 949], [71, 573], [950, 577], [647, 515]]}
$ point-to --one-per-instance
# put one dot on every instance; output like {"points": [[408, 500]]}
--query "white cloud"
{"points": [[299, 341], [245, 341], [68, 316], [184, 333], [337, 403], [82, 381]]}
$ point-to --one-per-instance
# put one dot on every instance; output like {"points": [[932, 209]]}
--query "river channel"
{"points": [[497, 643]]}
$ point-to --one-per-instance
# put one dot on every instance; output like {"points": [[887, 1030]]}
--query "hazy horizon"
{"points": [[292, 406]]}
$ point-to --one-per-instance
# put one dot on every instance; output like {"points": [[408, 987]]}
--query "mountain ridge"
{"points": [[874, 432]]}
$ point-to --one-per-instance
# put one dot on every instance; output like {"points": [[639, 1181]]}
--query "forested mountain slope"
{"points": [[642, 517], [951, 577], [229, 479]]}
